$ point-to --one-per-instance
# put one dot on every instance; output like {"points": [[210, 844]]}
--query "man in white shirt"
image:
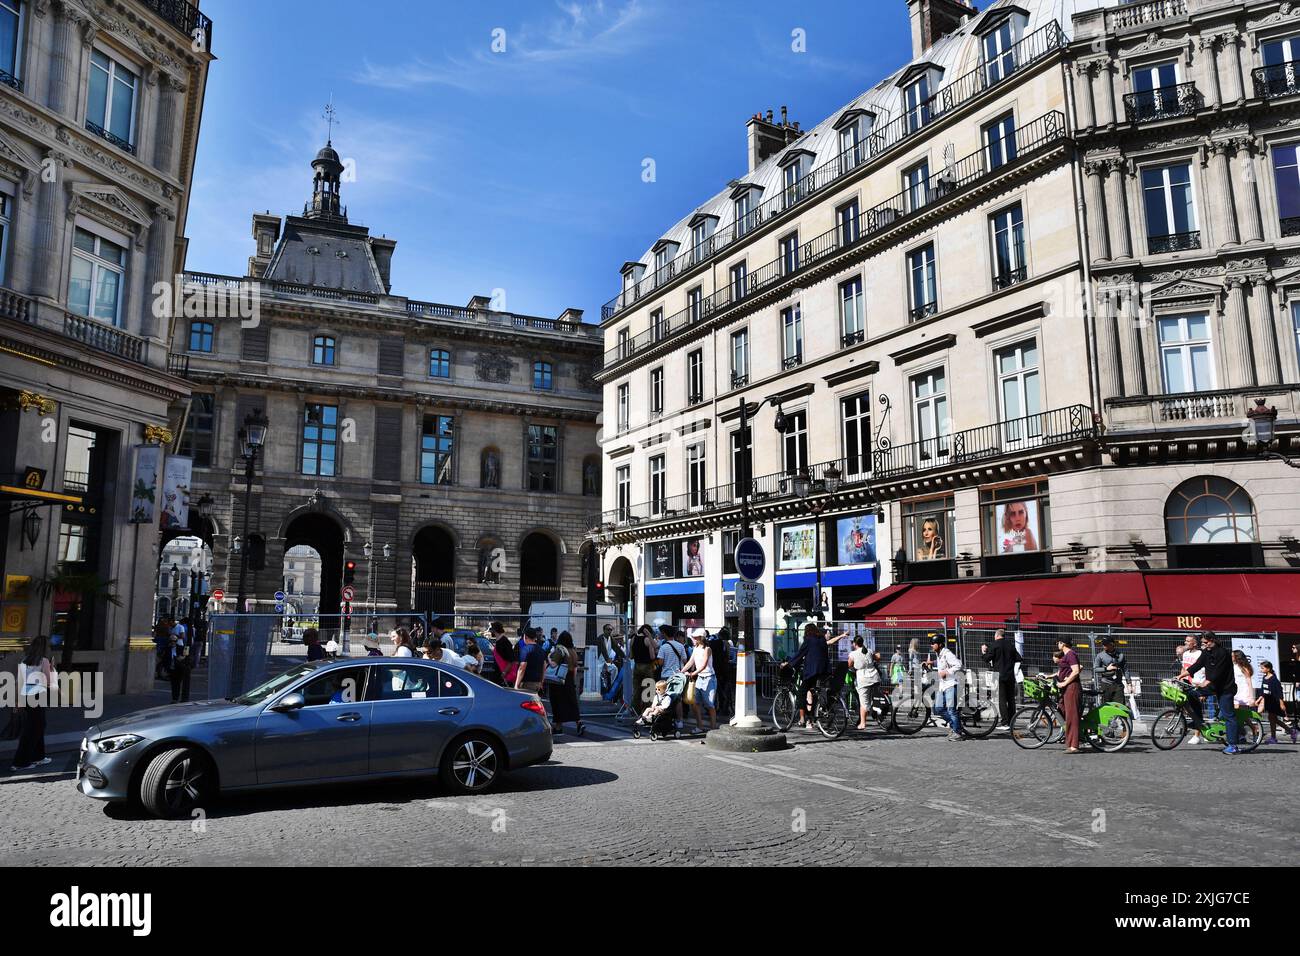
{"points": [[673, 654], [439, 652], [947, 668]]}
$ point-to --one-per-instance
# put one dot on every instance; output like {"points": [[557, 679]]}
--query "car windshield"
{"points": [[271, 687]]}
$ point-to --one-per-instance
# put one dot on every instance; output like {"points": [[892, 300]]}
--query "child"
{"points": [[1271, 703], [657, 706]]}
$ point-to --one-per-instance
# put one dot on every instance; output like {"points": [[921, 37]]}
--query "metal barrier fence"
{"points": [[1151, 655]]}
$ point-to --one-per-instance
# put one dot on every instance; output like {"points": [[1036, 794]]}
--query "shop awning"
{"points": [[1183, 600], [31, 497]]}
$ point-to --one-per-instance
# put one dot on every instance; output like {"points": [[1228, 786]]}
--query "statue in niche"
{"points": [[490, 476], [489, 565], [591, 479]]}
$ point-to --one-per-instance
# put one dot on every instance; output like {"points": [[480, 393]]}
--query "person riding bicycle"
{"points": [[1216, 662], [814, 654]]}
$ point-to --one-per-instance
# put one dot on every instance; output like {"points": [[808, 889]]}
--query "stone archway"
{"points": [[539, 569], [319, 531], [620, 587], [433, 570]]}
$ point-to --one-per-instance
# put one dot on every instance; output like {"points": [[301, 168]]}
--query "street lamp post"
{"points": [[1262, 428], [252, 437]]}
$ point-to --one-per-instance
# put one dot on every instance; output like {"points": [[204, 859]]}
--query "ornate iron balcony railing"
{"points": [[1291, 226], [852, 338], [113, 138], [960, 91], [1281, 79], [8, 79], [1175, 242], [184, 17], [917, 313], [1004, 280], [1166, 102]]}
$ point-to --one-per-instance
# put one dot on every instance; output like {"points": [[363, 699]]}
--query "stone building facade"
{"points": [[100, 105], [950, 300], [462, 438]]}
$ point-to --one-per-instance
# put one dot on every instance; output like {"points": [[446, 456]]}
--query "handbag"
{"points": [[689, 696], [557, 673]]}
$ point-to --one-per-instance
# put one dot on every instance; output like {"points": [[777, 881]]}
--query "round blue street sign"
{"points": [[751, 559], [279, 595], [279, 609]]}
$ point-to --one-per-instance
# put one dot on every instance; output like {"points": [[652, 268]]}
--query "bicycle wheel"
{"points": [[1112, 736], [909, 711], [1249, 734], [783, 710], [1033, 726], [1169, 729], [979, 720], [833, 718]]}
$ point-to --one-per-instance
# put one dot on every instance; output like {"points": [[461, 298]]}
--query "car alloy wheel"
{"points": [[475, 764]]}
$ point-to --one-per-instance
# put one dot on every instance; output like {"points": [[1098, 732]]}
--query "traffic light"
{"points": [[349, 571], [256, 552]]}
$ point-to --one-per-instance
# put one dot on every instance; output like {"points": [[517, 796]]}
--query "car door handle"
{"points": [[449, 711], [348, 718]]}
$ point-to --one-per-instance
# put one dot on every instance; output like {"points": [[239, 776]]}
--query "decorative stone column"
{"points": [[170, 90], [1109, 70], [65, 53], [1268, 367], [1236, 336], [1250, 210], [23, 223], [1130, 341], [1112, 385], [1210, 45], [1117, 202], [1233, 39], [159, 268], [1222, 209], [1083, 95], [1095, 208], [51, 205]]}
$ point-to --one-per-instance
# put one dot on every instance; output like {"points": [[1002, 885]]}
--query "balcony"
{"points": [[1290, 227], [1174, 242], [1168, 102], [1010, 277], [1038, 135], [739, 380], [1224, 408], [105, 338], [1145, 13], [8, 79], [792, 361], [920, 312], [185, 17], [956, 94], [1061, 426], [1281, 79], [178, 365], [116, 140], [853, 338], [15, 306]]}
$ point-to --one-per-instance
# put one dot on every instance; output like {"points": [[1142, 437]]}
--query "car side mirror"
{"points": [[288, 702]]}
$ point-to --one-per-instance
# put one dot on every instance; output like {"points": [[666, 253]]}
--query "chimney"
{"points": [[767, 138], [932, 20], [382, 249], [266, 232]]}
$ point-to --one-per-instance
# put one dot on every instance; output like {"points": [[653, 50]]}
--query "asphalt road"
{"points": [[611, 799]]}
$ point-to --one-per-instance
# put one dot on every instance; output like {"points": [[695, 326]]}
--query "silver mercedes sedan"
{"points": [[321, 722]]}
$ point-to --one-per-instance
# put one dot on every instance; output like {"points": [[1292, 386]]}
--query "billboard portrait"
{"points": [[177, 472], [1016, 525], [855, 540], [693, 558]]}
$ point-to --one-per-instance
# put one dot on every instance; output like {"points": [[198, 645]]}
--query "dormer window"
{"points": [[745, 208], [632, 273], [741, 207], [795, 166], [702, 227], [999, 32], [665, 253], [916, 101], [854, 129]]}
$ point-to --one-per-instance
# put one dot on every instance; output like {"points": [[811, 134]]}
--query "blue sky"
{"points": [[517, 170]]}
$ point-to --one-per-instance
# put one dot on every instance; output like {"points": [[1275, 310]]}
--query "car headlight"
{"points": [[112, 745]]}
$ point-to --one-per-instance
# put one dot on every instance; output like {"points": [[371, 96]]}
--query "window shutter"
{"points": [[391, 356], [388, 443], [254, 345]]}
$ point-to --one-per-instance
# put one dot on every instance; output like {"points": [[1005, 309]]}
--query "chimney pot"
{"points": [[769, 116], [783, 117]]}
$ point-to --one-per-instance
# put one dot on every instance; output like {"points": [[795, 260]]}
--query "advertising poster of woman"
{"points": [[1017, 527], [931, 545], [692, 558]]}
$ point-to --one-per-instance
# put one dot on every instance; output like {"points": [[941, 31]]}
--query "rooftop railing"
{"points": [[945, 184], [1147, 12], [1059, 426], [184, 17], [960, 91]]}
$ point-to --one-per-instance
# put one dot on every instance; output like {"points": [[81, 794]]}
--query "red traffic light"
{"points": [[351, 565]]}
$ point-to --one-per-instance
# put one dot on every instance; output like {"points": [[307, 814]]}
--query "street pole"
{"points": [[746, 467], [249, 461]]}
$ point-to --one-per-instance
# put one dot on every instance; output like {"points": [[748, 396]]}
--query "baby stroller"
{"points": [[664, 725]]}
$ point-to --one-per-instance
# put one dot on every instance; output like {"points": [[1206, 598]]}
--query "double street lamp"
{"points": [[369, 551], [252, 438]]}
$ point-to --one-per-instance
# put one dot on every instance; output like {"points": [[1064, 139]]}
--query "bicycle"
{"points": [[1170, 728], [905, 715], [828, 711], [1107, 727], [979, 719]]}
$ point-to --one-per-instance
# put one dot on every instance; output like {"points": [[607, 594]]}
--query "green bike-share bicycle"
{"points": [[1107, 727], [1171, 727]]}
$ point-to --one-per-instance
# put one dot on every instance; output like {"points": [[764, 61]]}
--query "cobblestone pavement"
{"points": [[610, 799]]}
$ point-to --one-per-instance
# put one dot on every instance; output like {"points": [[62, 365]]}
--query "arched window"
{"points": [[322, 350], [1210, 510]]}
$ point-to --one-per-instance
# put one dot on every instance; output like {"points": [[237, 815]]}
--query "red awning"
{"points": [[1183, 600]]}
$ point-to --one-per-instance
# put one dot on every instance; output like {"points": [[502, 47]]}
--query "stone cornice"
{"points": [[47, 348]]}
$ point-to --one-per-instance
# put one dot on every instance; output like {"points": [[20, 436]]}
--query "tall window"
{"points": [[11, 35], [111, 102], [1000, 141], [695, 304], [696, 477], [916, 100], [1282, 65], [999, 60], [97, 279], [1295, 327], [439, 363], [658, 490], [78, 458], [657, 391], [739, 358], [624, 407], [5, 216], [792, 335], [657, 327], [916, 183], [662, 261], [623, 491], [742, 460], [196, 440], [1286, 175], [848, 220], [323, 351], [200, 336], [853, 322], [1008, 228], [850, 154], [624, 347], [790, 253], [855, 411], [793, 178], [795, 442], [1186, 353], [699, 233], [739, 274], [930, 422], [437, 442], [542, 376], [543, 457], [1018, 390], [922, 287], [695, 376], [740, 208], [320, 436], [1170, 208], [1156, 88]]}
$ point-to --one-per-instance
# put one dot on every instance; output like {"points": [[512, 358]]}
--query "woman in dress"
{"points": [[564, 694], [700, 669], [37, 680]]}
